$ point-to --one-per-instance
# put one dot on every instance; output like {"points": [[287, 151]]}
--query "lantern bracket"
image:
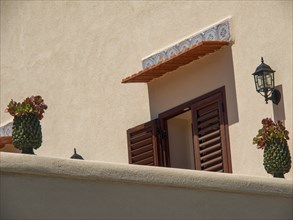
{"points": [[275, 97]]}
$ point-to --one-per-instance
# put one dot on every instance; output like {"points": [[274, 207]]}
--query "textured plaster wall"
{"points": [[253, 35], [75, 53], [35, 187], [61, 198]]}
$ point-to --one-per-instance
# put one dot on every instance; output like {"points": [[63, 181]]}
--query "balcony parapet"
{"points": [[143, 175]]}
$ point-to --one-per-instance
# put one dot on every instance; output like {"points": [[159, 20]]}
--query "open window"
{"points": [[193, 135]]}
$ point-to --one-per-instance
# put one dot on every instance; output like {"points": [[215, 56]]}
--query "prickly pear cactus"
{"points": [[277, 159], [27, 131]]}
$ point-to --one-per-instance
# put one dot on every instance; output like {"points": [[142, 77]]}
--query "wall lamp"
{"points": [[264, 80]]}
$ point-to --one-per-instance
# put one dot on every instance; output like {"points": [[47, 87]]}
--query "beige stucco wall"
{"points": [[253, 36], [35, 187], [75, 53]]}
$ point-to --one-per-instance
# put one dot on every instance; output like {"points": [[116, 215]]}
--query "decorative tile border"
{"points": [[220, 31], [6, 130]]}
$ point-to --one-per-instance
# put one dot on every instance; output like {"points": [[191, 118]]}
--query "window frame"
{"points": [[164, 116], [139, 148]]}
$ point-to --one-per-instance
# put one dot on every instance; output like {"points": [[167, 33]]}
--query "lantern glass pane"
{"points": [[268, 79], [273, 80], [259, 83]]}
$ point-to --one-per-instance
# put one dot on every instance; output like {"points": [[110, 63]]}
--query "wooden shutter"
{"points": [[143, 144], [210, 135]]}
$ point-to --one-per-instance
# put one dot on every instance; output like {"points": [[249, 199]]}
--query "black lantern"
{"points": [[264, 80]]}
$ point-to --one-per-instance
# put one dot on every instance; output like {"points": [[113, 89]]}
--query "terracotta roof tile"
{"points": [[197, 51]]}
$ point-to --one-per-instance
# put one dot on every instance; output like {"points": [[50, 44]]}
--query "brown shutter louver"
{"points": [[210, 142], [143, 143]]}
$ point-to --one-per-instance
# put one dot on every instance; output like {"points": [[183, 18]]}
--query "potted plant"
{"points": [[272, 138], [26, 130]]}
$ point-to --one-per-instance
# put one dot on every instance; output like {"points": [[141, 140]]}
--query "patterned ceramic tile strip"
{"points": [[6, 130], [219, 31]]}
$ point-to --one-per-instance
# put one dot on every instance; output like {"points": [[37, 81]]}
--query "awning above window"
{"points": [[196, 52]]}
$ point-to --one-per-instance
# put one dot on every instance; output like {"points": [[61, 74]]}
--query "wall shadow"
{"points": [[233, 116], [279, 110], [194, 80]]}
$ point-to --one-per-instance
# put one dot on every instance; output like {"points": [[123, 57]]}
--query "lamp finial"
{"points": [[76, 156], [261, 59]]}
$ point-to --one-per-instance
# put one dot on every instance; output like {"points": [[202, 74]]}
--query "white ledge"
{"points": [[134, 174]]}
